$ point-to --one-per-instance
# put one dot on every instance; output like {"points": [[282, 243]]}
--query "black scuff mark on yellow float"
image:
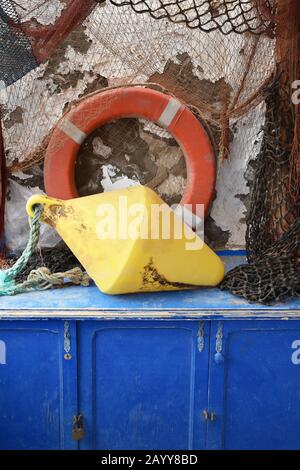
{"points": [[152, 278]]}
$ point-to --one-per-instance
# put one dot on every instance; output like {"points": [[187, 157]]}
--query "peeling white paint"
{"points": [[46, 13], [228, 209], [171, 186], [111, 181], [100, 148]]}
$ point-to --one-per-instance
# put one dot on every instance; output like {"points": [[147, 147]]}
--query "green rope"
{"points": [[41, 278]]}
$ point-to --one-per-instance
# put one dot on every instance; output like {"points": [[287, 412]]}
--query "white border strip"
{"points": [[168, 114], [175, 314], [72, 131]]}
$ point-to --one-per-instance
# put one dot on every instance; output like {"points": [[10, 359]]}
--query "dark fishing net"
{"points": [[25, 42], [59, 260], [16, 56], [272, 275], [227, 16], [273, 223], [266, 281]]}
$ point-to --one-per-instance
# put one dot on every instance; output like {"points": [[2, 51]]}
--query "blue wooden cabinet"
{"points": [[182, 370], [37, 386], [255, 387], [143, 384]]}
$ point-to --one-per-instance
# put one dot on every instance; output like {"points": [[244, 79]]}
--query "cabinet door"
{"points": [[255, 385], [143, 384], [37, 384]]}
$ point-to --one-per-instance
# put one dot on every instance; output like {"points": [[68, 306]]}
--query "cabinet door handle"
{"points": [[201, 333], [219, 357]]}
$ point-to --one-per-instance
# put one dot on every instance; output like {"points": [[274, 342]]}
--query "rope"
{"points": [[10, 274], [41, 278], [44, 279]]}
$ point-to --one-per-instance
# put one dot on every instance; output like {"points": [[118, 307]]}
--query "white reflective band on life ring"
{"points": [[189, 218], [72, 131], [168, 114]]}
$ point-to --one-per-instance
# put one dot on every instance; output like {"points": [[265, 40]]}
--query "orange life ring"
{"points": [[140, 102]]}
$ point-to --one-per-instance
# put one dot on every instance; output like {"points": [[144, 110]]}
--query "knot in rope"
{"points": [[41, 278]]}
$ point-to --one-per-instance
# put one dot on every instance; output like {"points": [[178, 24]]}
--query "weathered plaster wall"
{"points": [[129, 151]]}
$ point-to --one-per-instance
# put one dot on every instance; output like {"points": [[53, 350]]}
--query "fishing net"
{"points": [[273, 275], [29, 33], [59, 260], [227, 16], [222, 76], [217, 56], [272, 237]]}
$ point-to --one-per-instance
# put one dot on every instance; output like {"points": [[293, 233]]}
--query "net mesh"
{"points": [[273, 224], [272, 210], [217, 56], [16, 56], [223, 77], [227, 16], [272, 237], [271, 276]]}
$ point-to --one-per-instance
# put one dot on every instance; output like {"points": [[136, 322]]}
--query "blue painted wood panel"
{"points": [[37, 386], [255, 386], [143, 385], [90, 298]]}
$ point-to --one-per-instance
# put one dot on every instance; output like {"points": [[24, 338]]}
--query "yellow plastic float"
{"points": [[126, 244]]}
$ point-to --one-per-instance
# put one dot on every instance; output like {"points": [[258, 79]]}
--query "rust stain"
{"points": [[55, 212]]}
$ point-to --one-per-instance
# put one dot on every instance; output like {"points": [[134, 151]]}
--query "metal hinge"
{"points": [[209, 415], [77, 427], [219, 357], [67, 341]]}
